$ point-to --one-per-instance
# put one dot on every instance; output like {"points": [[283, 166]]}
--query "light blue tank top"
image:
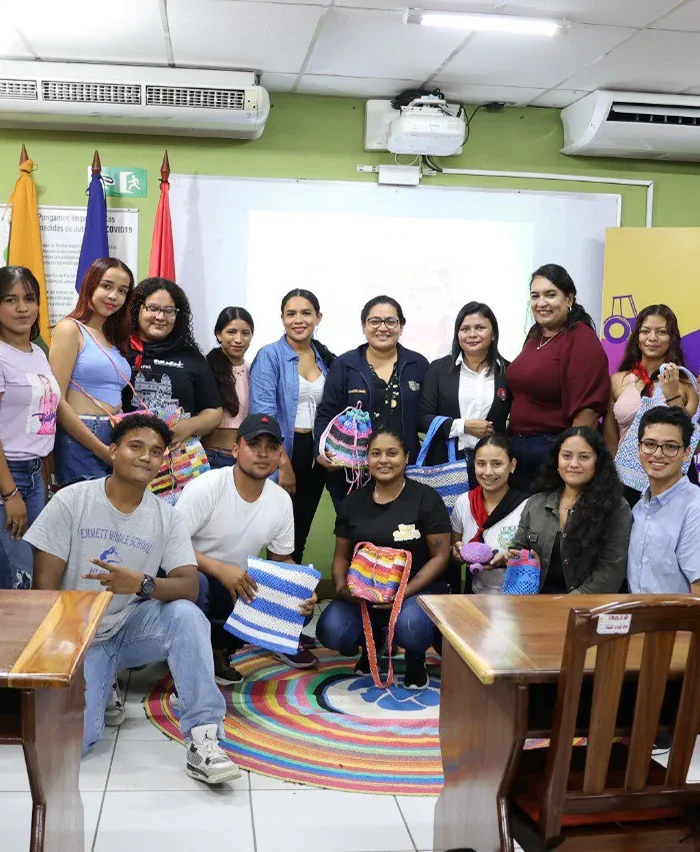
{"points": [[95, 373]]}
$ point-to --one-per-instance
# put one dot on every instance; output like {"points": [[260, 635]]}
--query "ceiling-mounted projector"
{"points": [[425, 125]]}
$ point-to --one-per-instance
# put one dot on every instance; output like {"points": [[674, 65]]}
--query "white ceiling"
{"points": [[363, 47]]}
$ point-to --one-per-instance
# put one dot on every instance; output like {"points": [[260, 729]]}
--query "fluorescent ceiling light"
{"points": [[486, 23]]}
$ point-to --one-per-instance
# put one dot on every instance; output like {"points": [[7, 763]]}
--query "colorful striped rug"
{"points": [[326, 727]]}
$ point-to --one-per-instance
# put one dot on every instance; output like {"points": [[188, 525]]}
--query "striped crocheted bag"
{"points": [[272, 620], [345, 442]]}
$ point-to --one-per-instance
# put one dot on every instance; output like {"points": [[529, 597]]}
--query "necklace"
{"points": [[545, 340], [391, 499]]}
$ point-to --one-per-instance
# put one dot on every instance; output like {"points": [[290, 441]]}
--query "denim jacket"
{"points": [[539, 525], [274, 385]]}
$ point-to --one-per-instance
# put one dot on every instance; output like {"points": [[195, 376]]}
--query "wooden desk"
{"points": [[494, 648], [43, 640]]}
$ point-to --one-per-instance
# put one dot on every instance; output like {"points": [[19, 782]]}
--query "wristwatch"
{"points": [[148, 586]]}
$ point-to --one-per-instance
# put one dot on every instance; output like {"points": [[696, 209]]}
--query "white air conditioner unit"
{"points": [[633, 124], [130, 99]]}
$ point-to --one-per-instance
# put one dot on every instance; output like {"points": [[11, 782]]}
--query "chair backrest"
{"points": [[610, 629]]}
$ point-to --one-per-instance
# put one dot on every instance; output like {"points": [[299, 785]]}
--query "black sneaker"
{"points": [[362, 665], [303, 659], [224, 672], [416, 676], [306, 641]]}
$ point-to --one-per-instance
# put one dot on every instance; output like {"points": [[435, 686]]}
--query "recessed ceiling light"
{"points": [[486, 23]]}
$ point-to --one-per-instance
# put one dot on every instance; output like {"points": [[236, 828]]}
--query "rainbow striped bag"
{"points": [[345, 442], [379, 575], [180, 464]]}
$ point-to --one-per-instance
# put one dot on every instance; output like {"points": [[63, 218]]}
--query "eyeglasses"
{"points": [[669, 450], [154, 310], [376, 322]]}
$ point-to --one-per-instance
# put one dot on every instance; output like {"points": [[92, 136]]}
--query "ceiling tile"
{"points": [[620, 13], [483, 6], [534, 61], [559, 98], [274, 82], [74, 30], [654, 60], [259, 36], [467, 93], [12, 46], [354, 87], [686, 18], [356, 42]]}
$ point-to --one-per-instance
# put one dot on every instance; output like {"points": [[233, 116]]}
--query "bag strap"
{"points": [[435, 424], [367, 625]]}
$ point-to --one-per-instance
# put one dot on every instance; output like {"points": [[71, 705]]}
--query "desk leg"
{"points": [[477, 726], [52, 737]]}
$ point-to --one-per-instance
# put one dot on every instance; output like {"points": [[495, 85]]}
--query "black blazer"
{"points": [[440, 396]]}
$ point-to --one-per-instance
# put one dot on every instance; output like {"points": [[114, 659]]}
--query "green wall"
{"points": [[321, 138]]}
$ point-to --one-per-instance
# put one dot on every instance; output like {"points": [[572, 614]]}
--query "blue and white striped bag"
{"points": [[273, 621], [450, 479]]}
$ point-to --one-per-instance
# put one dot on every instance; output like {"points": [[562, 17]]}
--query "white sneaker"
{"points": [[115, 712], [206, 760]]}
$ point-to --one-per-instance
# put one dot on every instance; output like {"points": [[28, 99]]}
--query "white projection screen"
{"points": [[248, 242]]}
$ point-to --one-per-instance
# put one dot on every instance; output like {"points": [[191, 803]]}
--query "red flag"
{"points": [[162, 263]]}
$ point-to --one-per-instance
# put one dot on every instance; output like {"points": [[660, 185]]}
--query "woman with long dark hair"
{"points": [[468, 386], [234, 330], [168, 368], [87, 356], [577, 523], [655, 340], [560, 378], [286, 381]]}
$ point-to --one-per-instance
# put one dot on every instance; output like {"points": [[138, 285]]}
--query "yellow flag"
{"points": [[25, 239]]}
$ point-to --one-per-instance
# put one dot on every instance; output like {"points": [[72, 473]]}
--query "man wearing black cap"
{"points": [[231, 514]]}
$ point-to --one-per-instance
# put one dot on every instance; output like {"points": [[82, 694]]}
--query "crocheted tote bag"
{"points": [[450, 479], [522, 575], [272, 620], [629, 468], [379, 575], [345, 442]]}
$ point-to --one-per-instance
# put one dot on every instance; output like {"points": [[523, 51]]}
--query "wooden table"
{"points": [[43, 640], [495, 648]]}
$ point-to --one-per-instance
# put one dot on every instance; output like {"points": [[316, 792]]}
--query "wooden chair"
{"points": [[582, 798]]}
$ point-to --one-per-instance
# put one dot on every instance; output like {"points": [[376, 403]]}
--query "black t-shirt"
{"points": [[554, 582], [404, 523], [178, 377]]}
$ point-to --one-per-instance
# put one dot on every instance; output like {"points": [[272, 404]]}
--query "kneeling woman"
{"points": [[390, 511], [577, 523]]}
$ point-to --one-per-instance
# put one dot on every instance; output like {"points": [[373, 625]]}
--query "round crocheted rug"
{"points": [[326, 726]]}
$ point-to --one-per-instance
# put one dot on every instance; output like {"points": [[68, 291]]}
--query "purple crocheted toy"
{"points": [[476, 554]]}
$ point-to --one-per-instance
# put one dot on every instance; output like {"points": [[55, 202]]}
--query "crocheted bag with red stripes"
{"points": [[345, 442]]}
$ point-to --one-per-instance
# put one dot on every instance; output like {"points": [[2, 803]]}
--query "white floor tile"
{"points": [[178, 821], [137, 726], [419, 813], [16, 819], [327, 821], [264, 782], [150, 765]]}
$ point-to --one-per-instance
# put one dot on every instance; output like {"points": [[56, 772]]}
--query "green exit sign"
{"points": [[121, 182]]}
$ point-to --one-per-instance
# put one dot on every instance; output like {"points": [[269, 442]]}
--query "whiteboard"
{"points": [[247, 242]]}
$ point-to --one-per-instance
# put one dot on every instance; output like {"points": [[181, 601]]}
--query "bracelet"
{"points": [[677, 396], [9, 496]]}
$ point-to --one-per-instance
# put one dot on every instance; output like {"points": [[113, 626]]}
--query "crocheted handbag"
{"points": [[450, 479], [345, 440], [522, 575], [629, 468], [272, 620], [379, 575]]}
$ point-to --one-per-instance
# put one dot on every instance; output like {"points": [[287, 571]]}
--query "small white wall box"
{"points": [[426, 126], [399, 175]]}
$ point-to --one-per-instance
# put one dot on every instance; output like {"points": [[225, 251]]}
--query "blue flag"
{"points": [[95, 237]]}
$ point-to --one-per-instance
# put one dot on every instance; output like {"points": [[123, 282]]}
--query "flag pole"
{"points": [[165, 168], [96, 164], [24, 156]]}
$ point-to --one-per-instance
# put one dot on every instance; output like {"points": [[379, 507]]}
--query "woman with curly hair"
{"points": [[167, 367], [577, 524]]}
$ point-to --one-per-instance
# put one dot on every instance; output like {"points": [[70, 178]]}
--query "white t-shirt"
{"points": [[499, 537], [224, 526]]}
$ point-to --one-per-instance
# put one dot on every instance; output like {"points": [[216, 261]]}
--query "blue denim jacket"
{"points": [[274, 385]]}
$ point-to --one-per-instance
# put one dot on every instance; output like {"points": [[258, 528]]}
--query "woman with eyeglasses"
{"points": [[655, 340], [168, 368], [381, 376], [88, 358]]}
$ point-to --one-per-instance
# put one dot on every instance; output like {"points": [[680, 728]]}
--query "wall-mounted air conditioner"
{"points": [[633, 124], [130, 99]]}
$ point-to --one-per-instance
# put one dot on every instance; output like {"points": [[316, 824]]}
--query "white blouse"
{"points": [[310, 394], [476, 392]]}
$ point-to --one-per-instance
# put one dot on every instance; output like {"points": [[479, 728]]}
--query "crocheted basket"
{"points": [[522, 575]]}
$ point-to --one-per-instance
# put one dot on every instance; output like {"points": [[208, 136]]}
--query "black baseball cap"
{"points": [[260, 424]]}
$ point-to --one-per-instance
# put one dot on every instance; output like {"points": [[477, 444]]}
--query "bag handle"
{"points": [[435, 424]]}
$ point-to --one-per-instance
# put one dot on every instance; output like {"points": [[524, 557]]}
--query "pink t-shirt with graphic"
{"points": [[30, 396]]}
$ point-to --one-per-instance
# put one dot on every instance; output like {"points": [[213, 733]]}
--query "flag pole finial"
{"points": [[96, 164], [165, 168], [24, 156]]}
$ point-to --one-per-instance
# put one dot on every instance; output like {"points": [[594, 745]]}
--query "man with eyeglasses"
{"points": [[664, 549]]}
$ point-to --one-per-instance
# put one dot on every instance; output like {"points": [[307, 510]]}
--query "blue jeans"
{"points": [[176, 632], [340, 625], [220, 458], [531, 452], [17, 557], [72, 461]]}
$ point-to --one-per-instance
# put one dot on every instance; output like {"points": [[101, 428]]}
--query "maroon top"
{"points": [[551, 385]]}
